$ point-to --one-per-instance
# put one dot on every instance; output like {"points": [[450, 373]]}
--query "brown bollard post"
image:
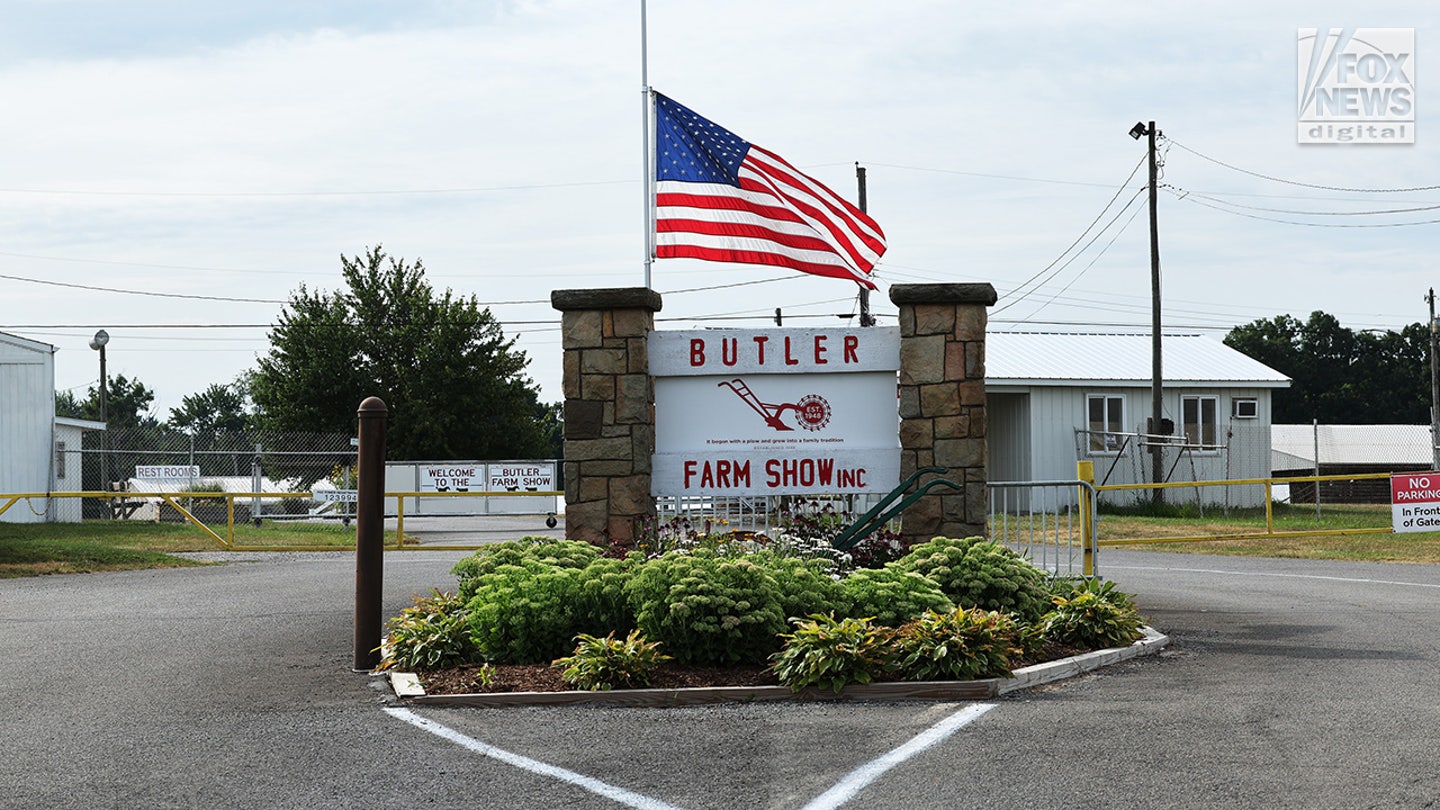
{"points": [[370, 534]]}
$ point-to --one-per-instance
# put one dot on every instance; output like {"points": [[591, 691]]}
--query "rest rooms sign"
{"points": [[1415, 502], [163, 473], [775, 411]]}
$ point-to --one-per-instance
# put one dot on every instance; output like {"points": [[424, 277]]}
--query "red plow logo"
{"points": [[812, 412]]}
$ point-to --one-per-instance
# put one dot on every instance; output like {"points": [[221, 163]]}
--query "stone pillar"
{"points": [[609, 411], [942, 404]]}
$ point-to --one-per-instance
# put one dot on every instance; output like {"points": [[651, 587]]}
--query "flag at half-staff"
{"points": [[720, 198]]}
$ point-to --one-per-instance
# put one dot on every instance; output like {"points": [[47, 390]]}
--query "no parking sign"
{"points": [[1415, 502]]}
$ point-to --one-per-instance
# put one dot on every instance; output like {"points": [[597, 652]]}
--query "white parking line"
{"points": [[609, 791], [858, 779], [1277, 575]]}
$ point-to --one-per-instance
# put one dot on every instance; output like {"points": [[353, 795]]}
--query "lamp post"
{"points": [[98, 344], [1157, 401]]}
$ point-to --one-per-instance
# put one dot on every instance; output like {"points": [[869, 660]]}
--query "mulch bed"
{"points": [[465, 680]]}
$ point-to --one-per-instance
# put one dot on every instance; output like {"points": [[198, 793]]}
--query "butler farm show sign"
{"points": [[775, 412]]}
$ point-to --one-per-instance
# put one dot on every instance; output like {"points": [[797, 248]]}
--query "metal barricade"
{"points": [[1050, 523]]}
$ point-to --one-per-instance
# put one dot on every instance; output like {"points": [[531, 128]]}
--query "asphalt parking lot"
{"points": [[1288, 684]]}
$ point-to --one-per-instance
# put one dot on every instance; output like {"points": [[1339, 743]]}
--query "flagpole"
{"points": [[646, 187]]}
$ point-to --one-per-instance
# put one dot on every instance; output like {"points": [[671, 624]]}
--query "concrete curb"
{"points": [[1025, 678]]}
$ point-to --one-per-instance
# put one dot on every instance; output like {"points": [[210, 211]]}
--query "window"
{"points": [[1247, 408], [1200, 419], [59, 461], [1106, 419]]}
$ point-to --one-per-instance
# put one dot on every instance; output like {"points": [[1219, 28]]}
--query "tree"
{"points": [[1339, 376], [127, 404], [454, 384], [219, 409]]}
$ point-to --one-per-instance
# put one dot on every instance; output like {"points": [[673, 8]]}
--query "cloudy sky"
{"points": [[174, 169]]}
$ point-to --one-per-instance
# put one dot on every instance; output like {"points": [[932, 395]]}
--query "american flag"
{"points": [[722, 199]]}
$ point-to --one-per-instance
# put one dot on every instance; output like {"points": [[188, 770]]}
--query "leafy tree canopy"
{"points": [[454, 384], [219, 409], [1340, 376], [127, 404]]}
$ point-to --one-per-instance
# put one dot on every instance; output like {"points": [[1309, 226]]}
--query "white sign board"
{"points": [[520, 477], [1415, 502], [451, 477], [336, 495], [167, 473], [776, 472], [775, 411], [770, 411], [720, 352]]}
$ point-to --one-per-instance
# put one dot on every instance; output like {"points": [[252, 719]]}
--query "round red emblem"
{"points": [[814, 412]]}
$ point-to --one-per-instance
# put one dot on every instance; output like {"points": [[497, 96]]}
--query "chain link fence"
{"points": [[159, 459]]}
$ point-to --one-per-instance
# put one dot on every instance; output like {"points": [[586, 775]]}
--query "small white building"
{"points": [[1054, 399], [1314, 449], [38, 452]]}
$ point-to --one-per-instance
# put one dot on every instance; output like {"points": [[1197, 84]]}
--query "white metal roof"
{"points": [[1055, 358], [1407, 445], [24, 344], [83, 424]]}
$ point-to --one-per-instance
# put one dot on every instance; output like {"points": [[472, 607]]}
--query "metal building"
{"points": [[1053, 399], [38, 452]]}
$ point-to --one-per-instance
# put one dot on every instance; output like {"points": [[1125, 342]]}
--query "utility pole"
{"points": [[1434, 390], [866, 319], [1157, 449]]}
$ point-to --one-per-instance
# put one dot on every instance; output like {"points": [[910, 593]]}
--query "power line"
{"points": [[355, 193], [1077, 254], [1191, 199], [1302, 184], [143, 292], [1183, 194], [990, 176]]}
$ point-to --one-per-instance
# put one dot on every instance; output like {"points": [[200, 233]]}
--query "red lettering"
{"points": [[772, 473], [827, 469], [729, 351], [720, 474], [820, 349], [789, 361], [697, 352], [851, 344], [760, 349]]}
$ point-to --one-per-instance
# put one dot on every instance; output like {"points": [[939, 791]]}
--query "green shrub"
{"points": [[1092, 620], [527, 613], [431, 634], [609, 663], [829, 653], [548, 550], [975, 572], [708, 609], [805, 586], [891, 596], [1071, 587], [602, 604], [956, 645]]}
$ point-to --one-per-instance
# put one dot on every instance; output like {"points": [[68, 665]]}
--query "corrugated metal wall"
{"points": [[27, 417], [1056, 412]]}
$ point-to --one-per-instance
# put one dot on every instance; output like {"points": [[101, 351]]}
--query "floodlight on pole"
{"points": [[98, 344], [1141, 129]]}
